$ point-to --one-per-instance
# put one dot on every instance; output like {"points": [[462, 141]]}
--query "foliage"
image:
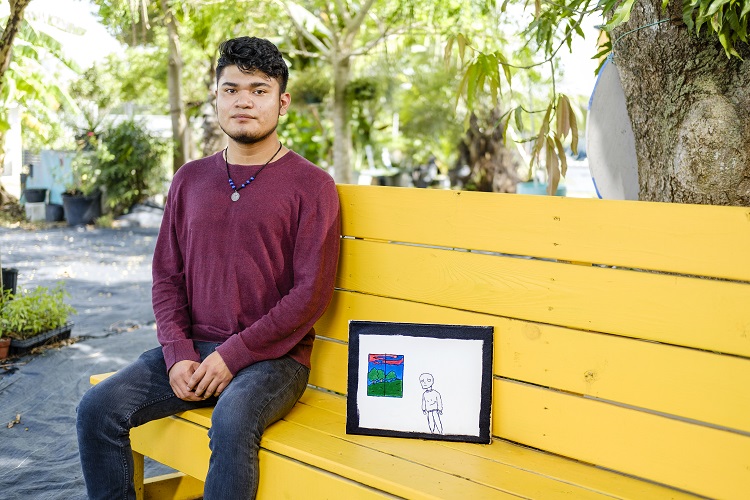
{"points": [[123, 160], [725, 19], [32, 81], [105, 222], [84, 172], [33, 312], [424, 94], [130, 165], [311, 84], [308, 132], [552, 27], [363, 89]]}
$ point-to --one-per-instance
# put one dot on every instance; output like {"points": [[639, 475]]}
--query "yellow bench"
{"points": [[621, 353]]}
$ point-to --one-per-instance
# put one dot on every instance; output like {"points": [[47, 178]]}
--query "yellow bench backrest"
{"points": [[622, 329]]}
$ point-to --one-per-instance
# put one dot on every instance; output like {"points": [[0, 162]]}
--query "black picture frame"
{"points": [[469, 348]]}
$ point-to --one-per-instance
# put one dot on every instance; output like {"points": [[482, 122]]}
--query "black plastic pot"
{"points": [[34, 195], [54, 212], [81, 210], [10, 279], [23, 346]]}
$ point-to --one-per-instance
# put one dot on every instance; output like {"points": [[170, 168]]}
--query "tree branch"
{"points": [[9, 34], [304, 32], [343, 11], [353, 27], [374, 42]]}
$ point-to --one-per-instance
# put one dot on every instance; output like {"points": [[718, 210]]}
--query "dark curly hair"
{"points": [[253, 54]]}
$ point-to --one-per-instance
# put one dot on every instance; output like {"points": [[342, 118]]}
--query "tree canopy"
{"points": [[401, 82]]}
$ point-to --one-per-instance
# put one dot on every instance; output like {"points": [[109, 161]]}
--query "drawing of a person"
{"points": [[432, 403]]}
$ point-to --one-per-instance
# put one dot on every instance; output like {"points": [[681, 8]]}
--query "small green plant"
{"points": [[33, 312], [105, 222]]}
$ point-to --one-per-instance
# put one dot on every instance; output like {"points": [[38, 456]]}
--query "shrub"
{"points": [[130, 165]]}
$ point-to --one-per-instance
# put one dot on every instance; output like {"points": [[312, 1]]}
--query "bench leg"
{"points": [[138, 475]]}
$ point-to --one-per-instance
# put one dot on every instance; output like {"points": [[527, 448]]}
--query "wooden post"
{"points": [[138, 475]]}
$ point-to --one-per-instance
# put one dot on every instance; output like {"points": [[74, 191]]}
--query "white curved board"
{"points": [[609, 139]]}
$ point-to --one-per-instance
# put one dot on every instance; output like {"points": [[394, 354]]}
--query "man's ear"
{"points": [[284, 101]]}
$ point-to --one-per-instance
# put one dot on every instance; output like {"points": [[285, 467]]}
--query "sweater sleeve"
{"points": [[169, 292], [316, 252]]}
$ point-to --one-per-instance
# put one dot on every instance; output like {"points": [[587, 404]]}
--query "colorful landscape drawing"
{"points": [[385, 375]]}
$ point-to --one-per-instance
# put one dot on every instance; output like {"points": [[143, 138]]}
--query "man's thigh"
{"points": [[140, 392], [261, 393]]}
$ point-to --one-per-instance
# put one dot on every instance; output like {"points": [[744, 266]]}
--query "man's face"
{"points": [[426, 380], [249, 105]]}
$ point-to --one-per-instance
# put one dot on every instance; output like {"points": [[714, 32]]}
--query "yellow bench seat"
{"points": [[309, 451]]}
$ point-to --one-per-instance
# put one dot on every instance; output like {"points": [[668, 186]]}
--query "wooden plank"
{"points": [[679, 238], [95, 379], [370, 467], [329, 365], [700, 313], [184, 446], [283, 478], [452, 461], [175, 486], [547, 465], [138, 475], [698, 385], [176, 443], [702, 460]]}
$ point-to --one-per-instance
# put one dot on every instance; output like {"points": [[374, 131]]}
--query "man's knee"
{"points": [[93, 409]]}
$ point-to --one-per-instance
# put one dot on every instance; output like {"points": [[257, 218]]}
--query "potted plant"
{"points": [[31, 318], [4, 346], [82, 196], [129, 165]]}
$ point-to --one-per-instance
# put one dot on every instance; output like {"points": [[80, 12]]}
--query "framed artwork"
{"points": [[420, 381]]}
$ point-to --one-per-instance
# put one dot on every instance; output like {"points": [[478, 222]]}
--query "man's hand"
{"points": [[179, 377], [211, 377]]}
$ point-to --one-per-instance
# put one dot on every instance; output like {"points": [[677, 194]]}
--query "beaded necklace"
{"points": [[236, 190]]}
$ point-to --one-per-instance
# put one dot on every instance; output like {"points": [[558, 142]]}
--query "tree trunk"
{"points": [[9, 34], [174, 86], [688, 105], [214, 138], [342, 134], [484, 163]]}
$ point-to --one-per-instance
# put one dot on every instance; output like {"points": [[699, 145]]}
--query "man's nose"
{"points": [[245, 100]]}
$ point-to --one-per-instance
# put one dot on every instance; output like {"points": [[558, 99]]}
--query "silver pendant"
{"points": [[235, 196]]}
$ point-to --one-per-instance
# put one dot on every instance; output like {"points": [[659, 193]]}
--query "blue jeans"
{"points": [[256, 397]]}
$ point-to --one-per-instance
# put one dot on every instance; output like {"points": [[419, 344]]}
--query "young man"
{"points": [[243, 267]]}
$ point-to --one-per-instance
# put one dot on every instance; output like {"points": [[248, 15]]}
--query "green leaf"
{"points": [[506, 68], [553, 172], [448, 50], [573, 132], [519, 120], [461, 46], [715, 6], [621, 15], [472, 77], [562, 118], [563, 157]]}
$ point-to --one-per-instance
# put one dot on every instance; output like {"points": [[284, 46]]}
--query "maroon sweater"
{"points": [[253, 274]]}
